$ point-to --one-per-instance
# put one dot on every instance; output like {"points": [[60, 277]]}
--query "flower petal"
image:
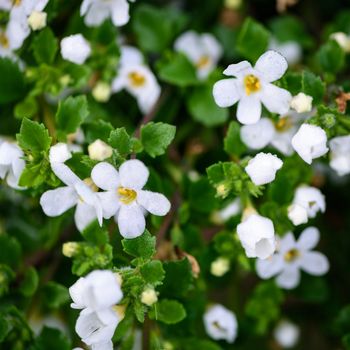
{"points": [[226, 92], [133, 174], [77, 291], [131, 221], [289, 278], [272, 65], [314, 263], [109, 202], [249, 110], [65, 174], [239, 69], [269, 267], [120, 12], [84, 215], [308, 238], [105, 176], [56, 202], [155, 203], [275, 99]]}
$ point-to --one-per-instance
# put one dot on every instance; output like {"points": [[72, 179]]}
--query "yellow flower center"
{"points": [[203, 61], [17, 2], [126, 195], [137, 79], [251, 84], [88, 181], [283, 124], [4, 41], [291, 255]]}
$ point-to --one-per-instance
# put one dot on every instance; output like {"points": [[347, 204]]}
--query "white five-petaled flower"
{"points": [[263, 167], [340, 154], [293, 256], [310, 199], [75, 48], [220, 323], [125, 198], [11, 163], [77, 192], [310, 142], [95, 12], [203, 50], [252, 86], [257, 235], [136, 78], [286, 334]]}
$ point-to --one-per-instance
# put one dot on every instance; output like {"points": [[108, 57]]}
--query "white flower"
{"points": [[230, 210], [290, 50], [220, 323], [342, 39], [257, 236], [311, 199], [75, 48], [6, 5], [99, 150], [136, 78], [149, 296], [26, 7], [96, 328], [263, 167], [297, 214], [11, 163], [252, 86], [97, 11], [203, 50], [286, 334], [340, 154], [101, 92], [37, 20], [98, 290], [219, 266], [125, 198], [301, 103], [77, 193], [310, 142], [293, 256]]}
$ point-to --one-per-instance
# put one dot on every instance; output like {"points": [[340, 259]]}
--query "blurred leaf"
{"points": [[168, 311], [55, 295], [10, 250], [30, 282], [232, 142], [45, 46], [331, 57], [52, 339]]}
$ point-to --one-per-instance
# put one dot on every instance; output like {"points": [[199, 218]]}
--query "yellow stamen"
{"points": [[283, 124], [88, 181], [137, 79], [4, 41], [251, 84], [203, 62], [126, 195], [291, 255], [17, 2]]}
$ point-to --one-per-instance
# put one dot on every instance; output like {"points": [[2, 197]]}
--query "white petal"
{"points": [[56, 202], [84, 215], [130, 55], [65, 174], [120, 12], [77, 291], [131, 221], [287, 242], [272, 65], [133, 174], [308, 238], [239, 69], [155, 203], [189, 44], [314, 263], [59, 153], [105, 176], [289, 278], [96, 14], [110, 203], [212, 46], [269, 267], [226, 92], [249, 110], [275, 99], [119, 83]]}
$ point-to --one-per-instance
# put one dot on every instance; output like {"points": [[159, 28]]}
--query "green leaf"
{"points": [[168, 311], [312, 85], [252, 39], [26, 108], [55, 295], [12, 85], [153, 272], [203, 108], [52, 339], [4, 328], [331, 57], [70, 114], [95, 234], [30, 282], [156, 137], [120, 140], [45, 46], [232, 142], [142, 246], [178, 70], [202, 196], [33, 136], [10, 250]]}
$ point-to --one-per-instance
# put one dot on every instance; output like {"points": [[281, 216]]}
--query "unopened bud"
{"points": [[101, 92], [301, 103], [149, 297], [99, 150], [70, 249], [297, 214], [37, 20], [219, 266], [233, 4]]}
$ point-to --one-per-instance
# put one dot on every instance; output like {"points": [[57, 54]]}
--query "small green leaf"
{"points": [[331, 57], [120, 140], [45, 46], [30, 282], [312, 85], [55, 295], [52, 339], [10, 250], [232, 142], [153, 272], [168, 311], [95, 234], [156, 137], [26, 108], [142, 246]]}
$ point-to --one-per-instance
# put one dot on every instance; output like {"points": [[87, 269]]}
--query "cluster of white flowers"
{"points": [[293, 256], [123, 196], [97, 295]]}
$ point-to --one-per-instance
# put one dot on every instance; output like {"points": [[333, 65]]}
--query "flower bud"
{"points": [[149, 297], [342, 39], [297, 214], [37, 20], [219, 266], [301, 103], [99, 150], [70, 249], [233, 4], [101, 92]]}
